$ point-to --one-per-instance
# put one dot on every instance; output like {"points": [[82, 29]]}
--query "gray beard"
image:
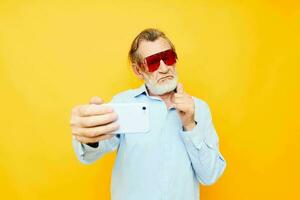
{"points": [[159, 89]]}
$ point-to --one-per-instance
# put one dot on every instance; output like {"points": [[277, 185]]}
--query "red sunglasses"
{"points": [[169, 57]]}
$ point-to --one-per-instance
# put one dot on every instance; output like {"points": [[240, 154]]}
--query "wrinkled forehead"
{"points": [[148, 48]]}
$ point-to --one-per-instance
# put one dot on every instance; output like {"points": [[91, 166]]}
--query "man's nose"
{"points": [[163, 67]]}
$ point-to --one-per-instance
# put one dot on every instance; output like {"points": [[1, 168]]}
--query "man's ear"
{"points": [[137, 70]]}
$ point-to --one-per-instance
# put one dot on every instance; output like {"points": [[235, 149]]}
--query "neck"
{"points": [[165, 97]]}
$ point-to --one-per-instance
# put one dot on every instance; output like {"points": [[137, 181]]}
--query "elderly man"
{"points": [[180, 150]]}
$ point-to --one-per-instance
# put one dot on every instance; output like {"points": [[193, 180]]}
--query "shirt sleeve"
{"points": [[87, 154], [202, 145]]}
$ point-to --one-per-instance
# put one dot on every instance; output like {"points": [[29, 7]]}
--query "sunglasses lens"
{"points": [[169, 57], [153, 62]]}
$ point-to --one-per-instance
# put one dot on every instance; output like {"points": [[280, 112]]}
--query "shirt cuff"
{"points": [[86, 147], [107, 144], [94, 145], [194, 136]]}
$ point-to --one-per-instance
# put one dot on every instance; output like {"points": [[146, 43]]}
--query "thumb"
{"points": [[179, 88], [96, 100]]}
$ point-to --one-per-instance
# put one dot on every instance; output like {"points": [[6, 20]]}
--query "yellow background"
{"points": [[242, 57]]}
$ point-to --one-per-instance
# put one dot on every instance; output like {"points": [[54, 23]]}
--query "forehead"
{"points": [[147, 48]]}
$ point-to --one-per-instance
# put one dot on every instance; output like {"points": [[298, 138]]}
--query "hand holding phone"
{"points": [[93, 122]]}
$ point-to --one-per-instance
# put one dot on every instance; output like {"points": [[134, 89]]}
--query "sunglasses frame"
{"points": [[161, 56]]}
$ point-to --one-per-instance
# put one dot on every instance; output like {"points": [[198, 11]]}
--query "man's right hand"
{"points": [[94, 122]]}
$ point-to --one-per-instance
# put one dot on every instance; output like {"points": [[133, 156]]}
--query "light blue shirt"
{"points": [[165, 163]]}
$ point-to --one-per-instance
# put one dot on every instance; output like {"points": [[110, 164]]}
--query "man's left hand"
{"points": [[185, 107]]}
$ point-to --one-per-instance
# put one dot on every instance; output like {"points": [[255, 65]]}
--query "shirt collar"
{"points": [[141, 90]]}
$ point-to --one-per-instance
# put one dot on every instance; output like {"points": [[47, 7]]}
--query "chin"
{"points": [[162, 88]]}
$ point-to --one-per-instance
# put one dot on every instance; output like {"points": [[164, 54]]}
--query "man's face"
{"points": [[164, 79]]}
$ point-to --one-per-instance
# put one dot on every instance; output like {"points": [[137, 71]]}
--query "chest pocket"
{"points": [[157, 118]]}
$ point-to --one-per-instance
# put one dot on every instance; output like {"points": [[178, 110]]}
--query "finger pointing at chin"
{"points": [[179, 88]]}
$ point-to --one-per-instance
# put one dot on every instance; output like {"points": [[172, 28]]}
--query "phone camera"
{"points": [[144, 108]]}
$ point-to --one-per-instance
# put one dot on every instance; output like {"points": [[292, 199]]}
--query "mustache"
{"points": [[169, 76]]}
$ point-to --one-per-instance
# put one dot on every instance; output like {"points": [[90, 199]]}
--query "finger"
{"points": [[182, 97], [176, 96], [88, 110], [75, 110], [179, 101], [86, 140], [181, 107], [95, 131], [96, 120], [179, 95], [179, 88], [96, 100]]}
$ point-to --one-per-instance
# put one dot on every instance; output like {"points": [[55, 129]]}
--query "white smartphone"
{"points": [[132, 117]]}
